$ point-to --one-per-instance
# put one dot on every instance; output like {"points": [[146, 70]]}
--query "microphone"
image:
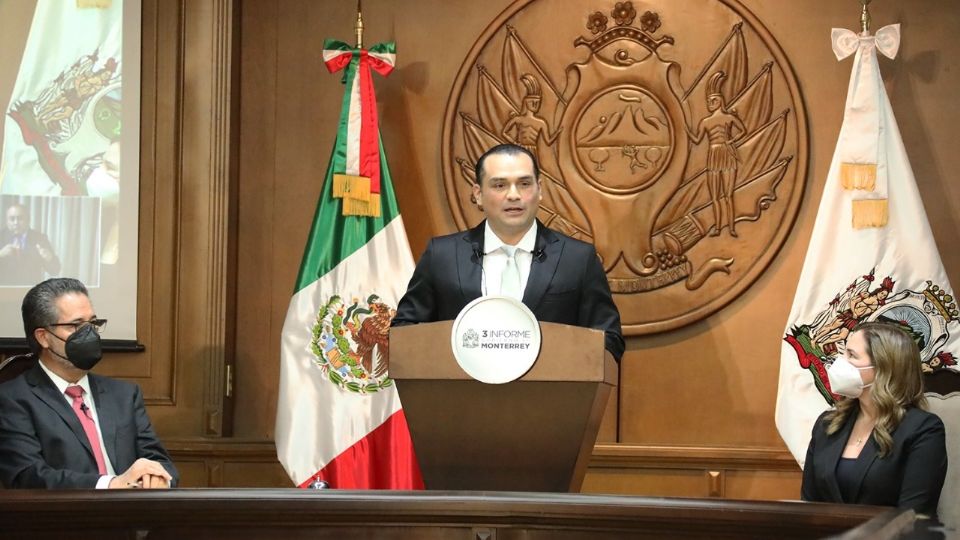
{"points": [[477, 252], [539, 255]]}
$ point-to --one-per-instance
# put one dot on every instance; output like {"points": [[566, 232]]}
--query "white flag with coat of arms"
{"points": [[872, 257]]}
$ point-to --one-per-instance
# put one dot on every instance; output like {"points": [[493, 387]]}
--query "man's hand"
{"points": [[144, 473], [45, 253], [8, 250]]}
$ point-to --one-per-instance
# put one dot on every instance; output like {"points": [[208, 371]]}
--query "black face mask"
{"points": [[82, 348]]}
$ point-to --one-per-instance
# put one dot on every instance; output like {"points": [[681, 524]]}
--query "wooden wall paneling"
{"points": [[762, 485], [254, 474], [258, 315], [189, 176], [291, 109], [683, 394], [648, 482], [693, 471], [223, 168], [744, 473], [206, 260], [227, 462], [155, 369], [193, 473]]}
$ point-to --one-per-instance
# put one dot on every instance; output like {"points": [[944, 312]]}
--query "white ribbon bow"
{"points": [[886, 40]]}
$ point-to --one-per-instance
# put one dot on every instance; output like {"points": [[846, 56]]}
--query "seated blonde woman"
{"points": [[879, 445]]}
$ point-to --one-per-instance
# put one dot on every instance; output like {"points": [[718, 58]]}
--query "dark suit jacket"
{"points": [[43, 445], [566, 285], [910, 476], [26, 268]]}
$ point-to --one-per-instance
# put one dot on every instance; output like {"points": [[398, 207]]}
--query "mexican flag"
{"points": [[63, 121], [339, 417], [872, 257]]}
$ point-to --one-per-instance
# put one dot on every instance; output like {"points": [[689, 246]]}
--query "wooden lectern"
{"points": [[533, 434]]}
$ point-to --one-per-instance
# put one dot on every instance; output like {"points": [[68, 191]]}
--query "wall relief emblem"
{"points": [[671, 134]]}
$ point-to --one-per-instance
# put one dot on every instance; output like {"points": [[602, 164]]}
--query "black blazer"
{"points": [[910, 476], [43, 445], [27, 267], [567, 284]]}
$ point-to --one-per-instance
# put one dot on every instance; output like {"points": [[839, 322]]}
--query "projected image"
{"points": [[63, 126], [45, 237], [69, 124], [70, 153]]}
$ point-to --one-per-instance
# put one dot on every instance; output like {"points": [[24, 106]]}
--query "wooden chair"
{"points": [[948, 409], [13, 366]]}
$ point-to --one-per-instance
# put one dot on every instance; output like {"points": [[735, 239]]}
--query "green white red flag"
{"points": [[339, 417]]}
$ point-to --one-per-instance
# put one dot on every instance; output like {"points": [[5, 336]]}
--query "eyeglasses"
{"points": [[97, 324]]}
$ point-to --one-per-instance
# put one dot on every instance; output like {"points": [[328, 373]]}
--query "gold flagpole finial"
{"points": [[359, 26], [864, 16]]}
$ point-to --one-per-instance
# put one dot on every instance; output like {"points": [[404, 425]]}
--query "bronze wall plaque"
{"points": [[671, 134]]}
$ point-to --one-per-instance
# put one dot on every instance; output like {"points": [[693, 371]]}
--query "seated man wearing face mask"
{"points": [[63, 427]]}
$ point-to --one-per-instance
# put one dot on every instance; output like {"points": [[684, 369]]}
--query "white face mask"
{"points": [[845, 378]]}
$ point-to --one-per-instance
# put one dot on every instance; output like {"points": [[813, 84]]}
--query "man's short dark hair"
{"points": [[510, 150], [39, 308], [19, 205]]}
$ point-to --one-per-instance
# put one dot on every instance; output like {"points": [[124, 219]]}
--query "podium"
{"points": [[533, 434]]}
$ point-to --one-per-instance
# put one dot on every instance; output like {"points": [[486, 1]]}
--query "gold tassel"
{"points": [[858, 176], [359, 188], [368, 208], [869, 213], [340, 182], [355, 187]]}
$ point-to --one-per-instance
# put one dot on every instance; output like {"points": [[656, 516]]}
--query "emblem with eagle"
{"points": [[351, 343]]}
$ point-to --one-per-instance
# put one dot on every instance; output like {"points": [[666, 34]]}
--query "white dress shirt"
{"points": [[84, 383], [495, 258]]}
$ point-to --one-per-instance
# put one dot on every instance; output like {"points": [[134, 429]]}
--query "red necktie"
{"points": [[86, 420]]}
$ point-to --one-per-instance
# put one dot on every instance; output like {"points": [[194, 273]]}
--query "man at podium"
{"points": [[511, 253]]}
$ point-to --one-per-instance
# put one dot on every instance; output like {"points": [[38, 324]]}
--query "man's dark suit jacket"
{"points": [[910, 476], [26, 268], [566, 285], [43, 445]]}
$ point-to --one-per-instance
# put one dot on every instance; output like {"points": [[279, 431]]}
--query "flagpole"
{"points": [[359, 26], [864, 16]]}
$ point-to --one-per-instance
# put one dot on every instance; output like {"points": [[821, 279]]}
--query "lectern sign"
{"points": [[496, 339]]}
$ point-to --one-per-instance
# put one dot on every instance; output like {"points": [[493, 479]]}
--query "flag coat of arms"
{"points": [[63, 120], [872, 257], [339, 417]]}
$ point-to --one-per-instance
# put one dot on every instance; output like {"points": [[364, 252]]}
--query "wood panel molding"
{"points": [[222, 448], [253, 462], [160, 178], [188, 213], [222, 131], [632, 456], [604, 455]]}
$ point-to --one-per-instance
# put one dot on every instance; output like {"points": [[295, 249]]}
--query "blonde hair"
{"points": [[897, 385]]}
